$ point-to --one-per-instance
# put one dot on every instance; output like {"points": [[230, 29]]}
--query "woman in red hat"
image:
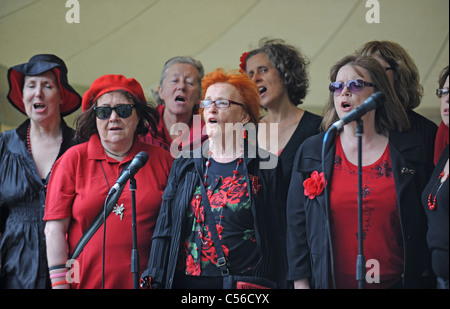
{"points": [[115, 112], [38, 89]]}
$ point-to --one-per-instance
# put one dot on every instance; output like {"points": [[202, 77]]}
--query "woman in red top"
{"points": [[322, 238], [115, 112]]}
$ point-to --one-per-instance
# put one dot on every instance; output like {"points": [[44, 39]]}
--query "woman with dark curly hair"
{"points": [[280, 71]]}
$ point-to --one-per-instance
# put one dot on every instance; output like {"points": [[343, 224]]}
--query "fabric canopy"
{"points": [[136, 37]]}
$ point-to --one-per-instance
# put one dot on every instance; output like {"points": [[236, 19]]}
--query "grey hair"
{"points": [[179, 59]]}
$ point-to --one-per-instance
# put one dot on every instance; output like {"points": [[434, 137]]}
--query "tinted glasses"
{"points": [[122, 110], [441, 92], [219, 103], [354, 86]]}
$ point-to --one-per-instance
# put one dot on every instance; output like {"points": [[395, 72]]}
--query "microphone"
{"points": [[373, 102], [136, 164]]}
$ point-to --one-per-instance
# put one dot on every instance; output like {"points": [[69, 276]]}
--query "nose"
{"points": [[114, 117], [38, 91], [256, 77], [345, 91], [181, 85]]}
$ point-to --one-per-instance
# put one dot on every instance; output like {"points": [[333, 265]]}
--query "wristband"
{"points": [[58, 275], [59, 283], [57, 267]]}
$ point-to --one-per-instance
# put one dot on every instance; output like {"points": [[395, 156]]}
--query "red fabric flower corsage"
{"points": [[243, 63], [314, 185]]}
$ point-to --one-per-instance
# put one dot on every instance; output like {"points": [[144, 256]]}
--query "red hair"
{"points": [[247, 89]]}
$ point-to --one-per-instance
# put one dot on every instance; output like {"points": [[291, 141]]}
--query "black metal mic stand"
{"points": [[360, 262], [134, 252]]}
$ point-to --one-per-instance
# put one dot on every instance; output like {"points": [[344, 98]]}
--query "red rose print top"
{"points": [[230, 204], [381, 222]]}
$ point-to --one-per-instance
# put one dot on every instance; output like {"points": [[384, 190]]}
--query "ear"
{"points": [[160, 92], [246, 118]]}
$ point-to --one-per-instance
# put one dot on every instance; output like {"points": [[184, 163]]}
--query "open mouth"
{"points": [[180, 99], [262, 89], [38, 106], [212, 120]]}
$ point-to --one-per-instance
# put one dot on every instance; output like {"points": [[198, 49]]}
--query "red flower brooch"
{"points": [[243, 63], [314, 185]]}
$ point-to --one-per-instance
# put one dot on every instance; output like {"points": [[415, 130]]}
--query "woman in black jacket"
{"points": [[221, 223], [322, 237], [40, 90]]}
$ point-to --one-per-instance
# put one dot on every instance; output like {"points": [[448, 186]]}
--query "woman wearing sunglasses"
{"points": [[221, 215], [40, 90], [115, 112], [322, 228]]}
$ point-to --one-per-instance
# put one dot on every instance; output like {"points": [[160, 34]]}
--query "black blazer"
{"points": [[308, 223]]}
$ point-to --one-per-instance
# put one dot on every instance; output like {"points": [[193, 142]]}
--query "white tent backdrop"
{"points": [[136, 37]]}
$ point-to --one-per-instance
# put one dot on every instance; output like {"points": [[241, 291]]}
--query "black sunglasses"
{"points": [[122, 110]]}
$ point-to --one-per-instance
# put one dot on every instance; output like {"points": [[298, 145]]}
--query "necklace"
{"points": [[118, 155], [205, 240], [44, 181], [432, 205]]}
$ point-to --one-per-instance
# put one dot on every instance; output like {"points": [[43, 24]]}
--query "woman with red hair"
{"points": [[215, 225]]}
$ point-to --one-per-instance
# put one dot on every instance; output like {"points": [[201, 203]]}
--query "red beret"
{"points": [[108, 83]]}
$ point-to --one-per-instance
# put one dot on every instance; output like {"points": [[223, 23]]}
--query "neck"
{"points": [[171, 119], [118, 152], [279, 113], [47, 130], [223, 153]]}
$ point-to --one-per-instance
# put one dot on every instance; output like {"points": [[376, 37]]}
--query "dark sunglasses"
{"points": [[354, 86], [122, 110]]}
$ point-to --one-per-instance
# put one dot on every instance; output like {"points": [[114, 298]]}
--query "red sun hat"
{"points": [[109, 83]]}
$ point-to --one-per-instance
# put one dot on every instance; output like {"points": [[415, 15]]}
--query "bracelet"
{"points": [[59, 283], [58, 275], [57, 267]]}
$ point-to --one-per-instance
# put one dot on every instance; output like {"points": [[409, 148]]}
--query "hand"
{"points": [[301, 284]]}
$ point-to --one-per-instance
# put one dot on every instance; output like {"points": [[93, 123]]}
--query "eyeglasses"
{"points": [[122, 110], [219, 103], [354, 86], [441, 92]]}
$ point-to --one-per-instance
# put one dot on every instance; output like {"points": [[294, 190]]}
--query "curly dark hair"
{"points": [[148, 119], [290, 63]]}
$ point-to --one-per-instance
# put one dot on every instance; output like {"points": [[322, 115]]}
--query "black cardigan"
{"points": [[308, 225]]}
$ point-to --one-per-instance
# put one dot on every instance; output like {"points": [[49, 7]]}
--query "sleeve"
{"points": [[61, 188], [159, 255], [296, 238]]}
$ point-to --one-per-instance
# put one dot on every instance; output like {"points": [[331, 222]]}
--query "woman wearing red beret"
{"points": [[40, 90], [115, 112]]}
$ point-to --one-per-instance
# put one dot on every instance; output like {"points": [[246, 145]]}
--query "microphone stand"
{"points": [[134, 252], [360, 262]]}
